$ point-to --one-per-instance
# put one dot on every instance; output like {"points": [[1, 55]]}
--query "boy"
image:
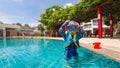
{"points": [[71, 37]]}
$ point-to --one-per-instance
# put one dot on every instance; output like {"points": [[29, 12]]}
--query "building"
{"points": [[7, 30], [91, 27], [25, 31], [36, 31]]}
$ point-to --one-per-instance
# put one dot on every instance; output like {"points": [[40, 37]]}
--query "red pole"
{"points": [[111, 25], [79, 26], [99, 22], [49, 34]]}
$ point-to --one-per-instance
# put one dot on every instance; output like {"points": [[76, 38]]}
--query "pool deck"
{"points": [[109, 47]]}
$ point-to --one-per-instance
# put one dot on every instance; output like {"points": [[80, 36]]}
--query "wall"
{"points": [[13, 32]]}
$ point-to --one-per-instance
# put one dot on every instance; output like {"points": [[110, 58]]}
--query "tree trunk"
{"points": [[117, 28]]}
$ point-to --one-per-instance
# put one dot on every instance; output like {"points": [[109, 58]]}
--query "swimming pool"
{"points": [[46, 53]]}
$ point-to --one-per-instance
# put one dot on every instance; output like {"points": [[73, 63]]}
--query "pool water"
{"points": [[46, 53]]}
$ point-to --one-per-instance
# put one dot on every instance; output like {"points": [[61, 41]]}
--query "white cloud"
{"points": [[68, 4], [18, 0], [10, 19], [5, 19], [34, 24]]}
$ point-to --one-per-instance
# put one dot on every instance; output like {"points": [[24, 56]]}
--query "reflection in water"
{"points": [[45, 42], [4, 40]]}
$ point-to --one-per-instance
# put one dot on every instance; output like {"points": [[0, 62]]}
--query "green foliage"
{"points": [[41, 27], [83, 11], [1, 22], [26, 25], [50, 16], [106, 20], [19, 24]]}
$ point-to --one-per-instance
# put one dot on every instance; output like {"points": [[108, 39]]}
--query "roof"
{"points": [[94, 19], [9, 26]]}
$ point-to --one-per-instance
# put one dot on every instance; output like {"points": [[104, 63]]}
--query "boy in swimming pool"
{"points": [[71, 37]]}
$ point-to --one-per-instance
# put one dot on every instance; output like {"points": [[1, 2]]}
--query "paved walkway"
{"points": [[113, 44], [109, 47]]}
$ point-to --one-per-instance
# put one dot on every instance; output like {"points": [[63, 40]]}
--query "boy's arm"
{"points": [[82, 33], [61, 30]]}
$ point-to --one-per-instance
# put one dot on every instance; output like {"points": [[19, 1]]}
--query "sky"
{"points": [[27, 11]]}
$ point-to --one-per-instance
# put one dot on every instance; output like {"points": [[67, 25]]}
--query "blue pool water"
{"points": [[46, 53]]}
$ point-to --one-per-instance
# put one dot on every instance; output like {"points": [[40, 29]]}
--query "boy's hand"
{"points": [[78, 25], [67, 21]]}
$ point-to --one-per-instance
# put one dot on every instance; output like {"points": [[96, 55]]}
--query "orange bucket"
{"points": [[96, 45]]}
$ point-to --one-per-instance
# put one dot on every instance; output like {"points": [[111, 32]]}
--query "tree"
{"points": [[1, 22], [41, 28], [26, 25], [83, 11], [50, 16], [18, 24]]}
